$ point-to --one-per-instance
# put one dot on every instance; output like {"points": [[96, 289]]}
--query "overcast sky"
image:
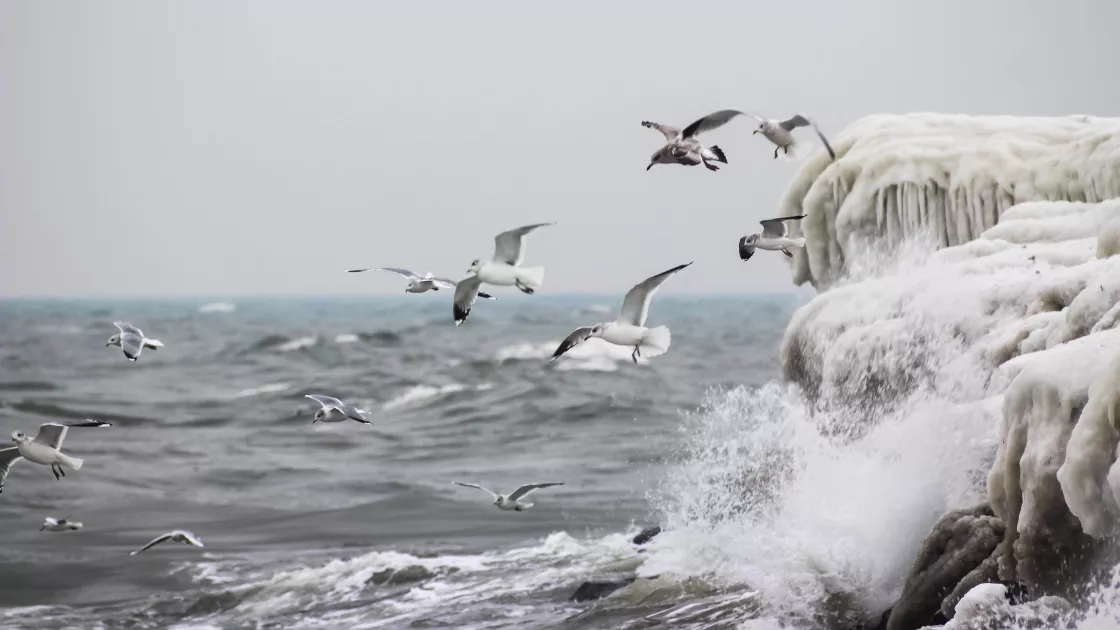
{"points": [[214, 147]]}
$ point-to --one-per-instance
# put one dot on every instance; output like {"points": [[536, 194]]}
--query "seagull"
{"points": [[330, 405], [87, 423], [682, 147], [418, 283], [780, 132], [60, 525], [179, 536], [629, 328], [132, 340], [503, 270], [512, 502], [43, 449], [773, 238]]}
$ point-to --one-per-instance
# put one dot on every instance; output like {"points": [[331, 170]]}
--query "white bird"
{"points": [[42, 449], [774, 238], [629, 328], [179, 536], [503, 270], [60, 525], [512, 503], [330, 405], [780, 132], [132, 340], [418, 283], [684, 148]]}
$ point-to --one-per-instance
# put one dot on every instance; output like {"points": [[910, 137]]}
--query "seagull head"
{"points": [[761, 128], [115, 340], [752, 239], [475, 266], [597, 331], [319, 415], [18, 436]]}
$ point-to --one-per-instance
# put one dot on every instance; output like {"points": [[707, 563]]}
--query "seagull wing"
{"points": [[465, 294], [799, 120], [475, 485], [154, 542], [777, 228], [404, 272], [531, 487], [327, 401], [745, 250], [635, 306], [51, 435], [353, 413], [669, 132], [577, 336], [88, 422], [709, 122], [189, 537], [131, 344], [8, 456], [509, 246], [126, 327]]}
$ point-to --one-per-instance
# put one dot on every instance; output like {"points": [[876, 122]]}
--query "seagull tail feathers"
{"points": [[718, 152], [72, 463], [655, 342], [532, 277]]}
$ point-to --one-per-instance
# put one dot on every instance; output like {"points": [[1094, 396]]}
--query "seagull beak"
{"points": [[650, 166], [754, 132]]}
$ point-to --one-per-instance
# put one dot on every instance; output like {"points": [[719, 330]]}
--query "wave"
{"points": [[270, 388], [346, 338], [420, 393]]}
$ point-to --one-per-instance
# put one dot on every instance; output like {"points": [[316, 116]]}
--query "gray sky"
{"points": [[206, 147]]}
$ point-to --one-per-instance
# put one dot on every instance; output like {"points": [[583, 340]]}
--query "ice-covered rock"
{"points": [[958, 545], [986, 607], [951, 176]]}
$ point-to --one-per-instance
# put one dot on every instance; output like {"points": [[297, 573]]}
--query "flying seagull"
{"points": [[629, 328], [418, 283], [330, 405], [683, 147], [780, 132], [60, 525], [179, 536], [503, 270], [773, 238], [132, 340], [512, 502], [42, 449]]}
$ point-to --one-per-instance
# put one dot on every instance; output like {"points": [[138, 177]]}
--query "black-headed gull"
{"points": [[629, 328], [780, 132], [179, 536], [503, 270], [511, 502], [774, 238], [330, 405], [420, 283], [132, 340], [60, 525], [43, 449]]}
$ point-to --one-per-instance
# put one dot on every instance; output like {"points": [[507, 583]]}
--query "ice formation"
{"points": [[952, 176]]}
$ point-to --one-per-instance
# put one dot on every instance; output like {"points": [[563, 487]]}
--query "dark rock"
{"points": [[959, 544], [647, 535], [592, 590], [1016, 593], [392, 577]]}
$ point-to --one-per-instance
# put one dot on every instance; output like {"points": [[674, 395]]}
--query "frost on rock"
{"points": [[949, 176]]}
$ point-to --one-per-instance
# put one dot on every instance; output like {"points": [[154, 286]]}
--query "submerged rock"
{"points": [[598, 589], [647, 535], [960, 543]]}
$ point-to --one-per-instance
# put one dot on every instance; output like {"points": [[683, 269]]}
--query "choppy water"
{"points": [[351, 526]]}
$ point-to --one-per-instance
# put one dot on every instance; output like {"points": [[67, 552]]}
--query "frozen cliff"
{"points": [[973, 264], [950, 177]]}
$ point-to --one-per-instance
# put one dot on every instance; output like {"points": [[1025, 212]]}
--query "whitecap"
{"points": [[297, 344], [418, 393], [217, 307], [346, 338], [270, 388]]}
